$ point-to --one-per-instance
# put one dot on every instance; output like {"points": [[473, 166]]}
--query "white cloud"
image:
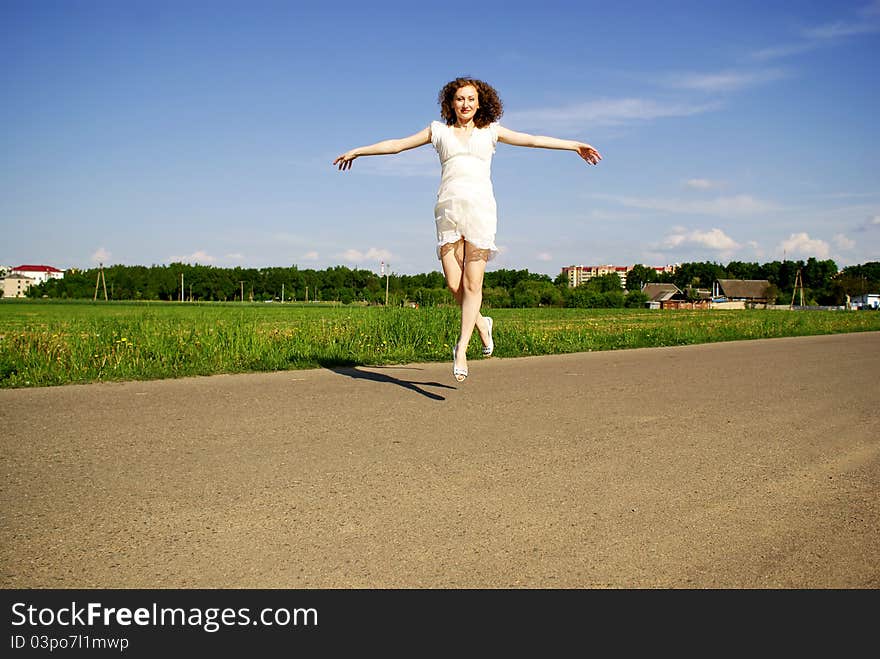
{"points": [[100, 255], [847, 195], [800, 244], [839, 29], [199, 256], [310, 256], [870, 224], [602, 214], [372, 255], [735, 206], [826, 34], [701, 184], [605, 112], [785, 50], [714, 239], [235, 257], [544, 256], [723, 81], [843, 242], [756, 248], [353, 255], [289, 238]]}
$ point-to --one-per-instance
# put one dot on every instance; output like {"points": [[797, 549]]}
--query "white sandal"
{"points": [[459, 373], [489, 348]]}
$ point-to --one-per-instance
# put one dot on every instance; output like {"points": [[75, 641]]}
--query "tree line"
{"points": [[823, 284]]}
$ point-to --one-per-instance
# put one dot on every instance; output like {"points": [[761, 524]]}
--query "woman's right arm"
{"points": [[385, 147]]}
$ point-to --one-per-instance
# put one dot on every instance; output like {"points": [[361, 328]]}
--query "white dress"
{"points": [[466, 202]]}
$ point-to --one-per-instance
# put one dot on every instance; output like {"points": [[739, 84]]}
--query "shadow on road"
{"points": [[354, 372]]}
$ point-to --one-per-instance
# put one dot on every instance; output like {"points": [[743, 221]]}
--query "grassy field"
{"points": [[52, 343]]}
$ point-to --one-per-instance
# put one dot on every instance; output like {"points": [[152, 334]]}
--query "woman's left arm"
{"points": [[585, 151]]}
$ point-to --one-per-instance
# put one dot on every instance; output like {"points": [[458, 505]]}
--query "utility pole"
{"points": [[798, 283], [386, 273], [100, 279], [181, 286], [242, 290], [282, 293]]}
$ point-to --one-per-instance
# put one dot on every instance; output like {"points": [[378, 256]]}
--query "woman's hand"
{"points": [[588, 153], [344, 161]]}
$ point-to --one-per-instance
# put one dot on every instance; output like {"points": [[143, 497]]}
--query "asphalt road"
{"points": [[751, 464]]}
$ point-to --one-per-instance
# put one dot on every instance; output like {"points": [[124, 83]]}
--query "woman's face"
{"points": [[465, 103]]}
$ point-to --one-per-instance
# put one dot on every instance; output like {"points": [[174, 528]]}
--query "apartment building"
{"points": [[579, 274], [15, 285]]}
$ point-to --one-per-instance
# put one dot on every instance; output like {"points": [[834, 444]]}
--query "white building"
{"points": [[15, 285], [39, 273], [580, 274], [866, 301]]}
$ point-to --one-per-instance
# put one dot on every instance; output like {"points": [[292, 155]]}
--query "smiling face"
{"points": [[466, 102]]}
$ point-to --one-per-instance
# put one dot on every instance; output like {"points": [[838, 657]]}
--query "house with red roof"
{"points": [[17, 280], [39, 273]]}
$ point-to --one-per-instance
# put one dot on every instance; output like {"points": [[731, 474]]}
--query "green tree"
{"points": [[510, 278], [604, 283], [525, 294], [822, 281], [346, 295], [701, 275], [744, 270], [818, 274], [496, 297], [613, 299], [860, 279], [584, 297], [639, 276], [635, 300]]}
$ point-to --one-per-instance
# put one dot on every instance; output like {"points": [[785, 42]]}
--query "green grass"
{"points": [[52, 343]]}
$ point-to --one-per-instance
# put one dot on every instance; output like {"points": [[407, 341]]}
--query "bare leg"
{"points": [[452, 260], [471, 298], [453, 257]]}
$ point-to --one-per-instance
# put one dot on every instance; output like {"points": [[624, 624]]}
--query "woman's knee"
{"points": [[473, 286]]}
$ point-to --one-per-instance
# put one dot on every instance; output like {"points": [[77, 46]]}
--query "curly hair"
{"points": [[490, 108]]}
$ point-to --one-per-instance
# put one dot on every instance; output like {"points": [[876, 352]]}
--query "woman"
{"points": [[465, 212]]}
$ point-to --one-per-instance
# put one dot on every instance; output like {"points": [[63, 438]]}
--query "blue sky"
{"points": [[151, 132]]}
